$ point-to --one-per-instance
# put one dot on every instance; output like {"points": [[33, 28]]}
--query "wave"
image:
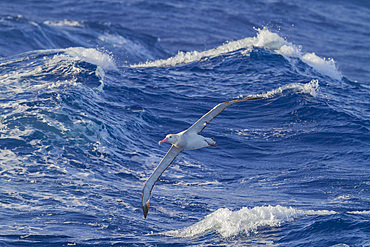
{"points": [[61, 62], [265, 39], [247, 221], [229, 223], [89, 55], [92, 56], [307, 88], [33, 95]]}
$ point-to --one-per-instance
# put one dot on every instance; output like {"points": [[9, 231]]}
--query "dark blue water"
{"points": [[88, 88]]}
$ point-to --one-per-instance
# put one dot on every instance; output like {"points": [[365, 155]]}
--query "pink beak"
{"points": [[164, 140]]}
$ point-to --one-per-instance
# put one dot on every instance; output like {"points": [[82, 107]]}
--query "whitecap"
{"points": [[192, 56], [322, 65], [93, 56], [269, 40], [229, 223], [63, 23], [272, 41], [265, 39], [59, 60], [365, 212], [317, 212], [307, 88]]}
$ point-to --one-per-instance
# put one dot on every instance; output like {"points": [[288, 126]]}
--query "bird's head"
{"points": [[171, 138]]}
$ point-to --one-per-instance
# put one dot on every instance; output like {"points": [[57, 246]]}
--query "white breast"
{"points": [[190, 141]]}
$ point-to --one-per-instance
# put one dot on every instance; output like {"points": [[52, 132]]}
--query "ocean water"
{"points": [[88, 88]]}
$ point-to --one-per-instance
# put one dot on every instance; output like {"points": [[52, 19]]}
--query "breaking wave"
{"points": [[228, 223], [264, 39]]}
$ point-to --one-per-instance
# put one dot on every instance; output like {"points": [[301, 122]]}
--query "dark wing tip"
{"points": [[258, 97], [146, 209]]}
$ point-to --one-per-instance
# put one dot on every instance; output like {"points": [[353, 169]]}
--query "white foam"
{"points": [[265, 39], [215, 182], [59, 60], [365, 212], [8, 157], [229, 223], [289, 50], [92, 56], [269, 40], [322, 65], [192, 56], [317, 212], [263, 133], [272, 41], [307, 88], [63, 23]]}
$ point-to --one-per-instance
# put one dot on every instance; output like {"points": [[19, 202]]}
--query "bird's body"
{"points": [[189, 139], [195, 141]]}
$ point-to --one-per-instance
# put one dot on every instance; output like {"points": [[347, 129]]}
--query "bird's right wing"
{"points": [[149, 184], [209, 116]]}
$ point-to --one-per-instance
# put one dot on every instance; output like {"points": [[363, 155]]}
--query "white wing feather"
{"points": [[149, 184], [209, 116]]}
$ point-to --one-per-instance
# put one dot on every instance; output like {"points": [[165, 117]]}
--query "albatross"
{"points": [[189, 139]]}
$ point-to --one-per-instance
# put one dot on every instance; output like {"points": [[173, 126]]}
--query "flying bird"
{"points": [[189, 139]]}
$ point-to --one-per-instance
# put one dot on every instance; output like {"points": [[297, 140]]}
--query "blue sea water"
{"points": [[88, 88]]}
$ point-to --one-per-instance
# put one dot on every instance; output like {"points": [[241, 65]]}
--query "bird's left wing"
{"points": [[149, 184], [209, 116]]}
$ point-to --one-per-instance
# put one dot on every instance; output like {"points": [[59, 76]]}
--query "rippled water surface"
{"points": [[88, 89]]}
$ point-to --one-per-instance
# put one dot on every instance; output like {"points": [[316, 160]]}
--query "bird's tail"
{"points": [[212, 143]]}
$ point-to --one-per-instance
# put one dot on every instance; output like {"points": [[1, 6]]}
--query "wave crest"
{"points": [[229, 223], [265, 39]]}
